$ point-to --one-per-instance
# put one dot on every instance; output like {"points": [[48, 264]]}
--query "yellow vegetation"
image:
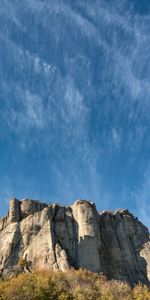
{"points": [[78, 285]]}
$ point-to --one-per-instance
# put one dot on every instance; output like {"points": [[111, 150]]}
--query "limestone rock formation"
{"points": [[36, 235]]}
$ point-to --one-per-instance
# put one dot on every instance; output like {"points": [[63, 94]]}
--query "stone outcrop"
{"points": [[37, 235]]}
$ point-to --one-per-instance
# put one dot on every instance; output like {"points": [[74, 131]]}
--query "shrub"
{"points": [[72, 285]]}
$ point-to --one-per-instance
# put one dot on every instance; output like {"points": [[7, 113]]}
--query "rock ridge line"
{"points": [[37, 235]]}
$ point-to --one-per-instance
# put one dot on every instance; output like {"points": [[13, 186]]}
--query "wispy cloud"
{"points": [[116, 138], [74, 81], [6, 193], [30, 112], [141, 198]]}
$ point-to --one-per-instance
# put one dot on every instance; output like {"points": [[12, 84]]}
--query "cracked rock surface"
{"points": [[50, 236]]}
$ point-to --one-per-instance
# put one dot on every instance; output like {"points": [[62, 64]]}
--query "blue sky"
{"points": [[75, 102]]}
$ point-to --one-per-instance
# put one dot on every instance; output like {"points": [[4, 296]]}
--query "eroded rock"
{"points": [[60, 237]]}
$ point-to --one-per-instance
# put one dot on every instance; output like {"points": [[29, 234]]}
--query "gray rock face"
{"points": [[60, 237]]}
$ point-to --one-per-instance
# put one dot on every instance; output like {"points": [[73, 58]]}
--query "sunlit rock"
{"points": [[43, 236]]}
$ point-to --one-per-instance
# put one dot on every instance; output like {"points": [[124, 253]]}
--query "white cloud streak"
{"points": [[61, 108], [141, 198]]}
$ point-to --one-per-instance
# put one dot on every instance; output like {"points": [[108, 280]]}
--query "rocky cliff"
{"points": [[37, 235]]}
